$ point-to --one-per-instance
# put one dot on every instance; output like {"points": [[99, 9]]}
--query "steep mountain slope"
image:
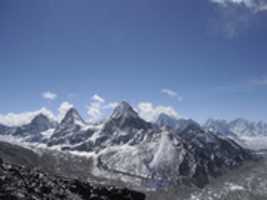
{"points": [[71, 130]]}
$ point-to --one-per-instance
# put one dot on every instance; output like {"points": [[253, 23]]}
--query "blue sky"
{"points": [[210, 54]]}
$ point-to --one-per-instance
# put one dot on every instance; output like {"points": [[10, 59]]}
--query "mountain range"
{"points": [[125, 146], [239, 127]]}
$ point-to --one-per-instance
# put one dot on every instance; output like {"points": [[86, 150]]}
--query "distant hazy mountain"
{"points": [[239, 127], [179, 125], [220, 127]]}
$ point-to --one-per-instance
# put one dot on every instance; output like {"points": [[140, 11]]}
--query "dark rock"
{"points": [[19, 183]]}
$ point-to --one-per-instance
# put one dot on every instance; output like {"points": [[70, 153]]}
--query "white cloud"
{"points": [[111, 105], [94, 111], [171, 94], [49, 95], [18, 119], [63, 109], [253, 5], [98, 98], [98, 107], [149, 112], [236, 16]]}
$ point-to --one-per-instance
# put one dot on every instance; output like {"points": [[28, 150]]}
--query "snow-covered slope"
{"points": [[220, 127], [251, 135], [240, 127], [243, 127]]}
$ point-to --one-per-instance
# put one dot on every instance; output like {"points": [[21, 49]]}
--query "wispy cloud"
{"points": [[98, 98], [171, 94], [236, 16], [253, 5], [49, 95]]}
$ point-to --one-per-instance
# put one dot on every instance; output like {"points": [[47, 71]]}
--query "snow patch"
{"points": [[166, 152], [234, 187], [255, 142], [48, 133]]}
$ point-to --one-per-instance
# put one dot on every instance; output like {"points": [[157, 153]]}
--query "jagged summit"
{"points": [[73, 117], [124, 110], [41, 123], [71, 125], [124, 116], [40, 119]]}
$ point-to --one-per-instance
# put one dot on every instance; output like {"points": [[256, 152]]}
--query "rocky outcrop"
{"points": [[19, 183]]}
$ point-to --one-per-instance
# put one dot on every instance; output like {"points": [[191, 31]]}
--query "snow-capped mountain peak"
{"points": [[218, 126], [124, 110], [239, 127], [73, 117], [41, 119], [124, 116]]}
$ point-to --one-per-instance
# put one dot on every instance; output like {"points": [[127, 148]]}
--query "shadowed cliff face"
{"points": [[19, 183]]}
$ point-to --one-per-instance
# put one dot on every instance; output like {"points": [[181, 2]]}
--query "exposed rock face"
{"points": [[19, 183], [3, 129]]}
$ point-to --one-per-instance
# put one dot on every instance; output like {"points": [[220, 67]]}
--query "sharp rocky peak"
{"points": [[124, 110], [40, 118], [73, 117], [124, 116]]}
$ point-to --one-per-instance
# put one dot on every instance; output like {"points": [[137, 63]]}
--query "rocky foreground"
{"points": [[20, 183]]}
